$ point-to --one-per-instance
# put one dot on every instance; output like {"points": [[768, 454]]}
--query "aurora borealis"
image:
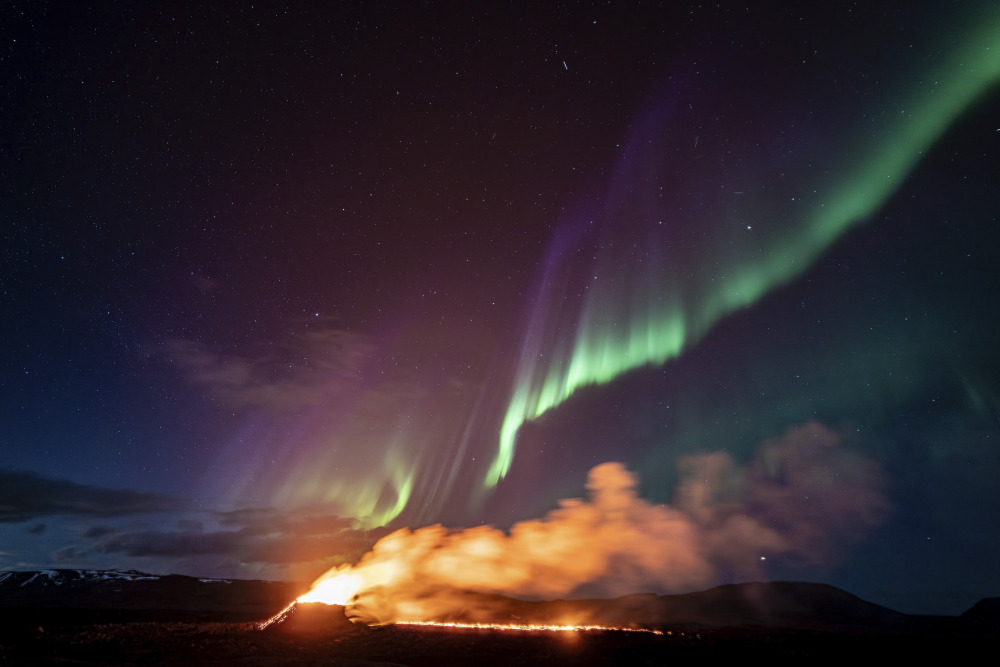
{"points": [[657, 304], [280, 279]]}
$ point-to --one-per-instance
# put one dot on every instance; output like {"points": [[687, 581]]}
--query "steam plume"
{"points": [[801, 497]]}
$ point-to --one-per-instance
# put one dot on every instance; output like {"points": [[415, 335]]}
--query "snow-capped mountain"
{"points": [[129, 589]]}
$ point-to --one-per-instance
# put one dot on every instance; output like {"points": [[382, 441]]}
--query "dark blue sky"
{"points": [[273, 277]]}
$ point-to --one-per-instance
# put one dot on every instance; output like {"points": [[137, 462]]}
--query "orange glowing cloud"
{"points": [[800, 497]]}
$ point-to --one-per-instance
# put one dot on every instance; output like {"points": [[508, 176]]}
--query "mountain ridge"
{"points": [[134, 590], [770, 604]]}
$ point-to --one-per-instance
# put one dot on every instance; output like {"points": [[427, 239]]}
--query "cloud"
{"points": [[262, 536], [96, 532], [175, 537], [25, 496], [317, 366]]}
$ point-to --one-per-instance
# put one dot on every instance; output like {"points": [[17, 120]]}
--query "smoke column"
{"points": [[802, 499], [677, 254]]}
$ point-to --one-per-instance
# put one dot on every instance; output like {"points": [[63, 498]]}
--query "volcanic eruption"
{"points": [[800, 498]]}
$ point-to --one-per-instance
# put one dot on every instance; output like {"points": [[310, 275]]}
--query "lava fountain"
{"points": [[337, 586]]}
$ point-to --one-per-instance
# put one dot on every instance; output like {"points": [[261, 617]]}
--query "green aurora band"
{"points": [[661, 313]]}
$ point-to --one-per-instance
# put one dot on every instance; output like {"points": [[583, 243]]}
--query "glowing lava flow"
{"points": [[277, 618], [526, 627]]}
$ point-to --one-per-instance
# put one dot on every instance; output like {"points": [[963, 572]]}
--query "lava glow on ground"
{"points": [[526, 628], [340, 588], [305, 599]]}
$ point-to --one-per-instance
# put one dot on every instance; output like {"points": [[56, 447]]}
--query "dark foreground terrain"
{"points": [[783, 622], [218, 643]]}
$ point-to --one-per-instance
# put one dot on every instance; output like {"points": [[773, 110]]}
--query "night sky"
{"points": [[278, 278]]}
